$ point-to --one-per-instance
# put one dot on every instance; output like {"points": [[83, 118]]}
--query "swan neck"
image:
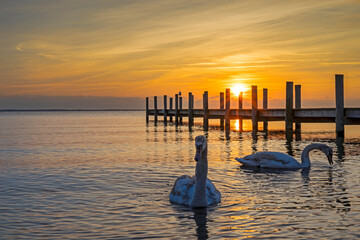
{"points": [[199, 199], [202, 167], [305, 155]]}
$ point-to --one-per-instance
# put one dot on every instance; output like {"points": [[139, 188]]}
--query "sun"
{"points": [[237, 125], [236, 89]]}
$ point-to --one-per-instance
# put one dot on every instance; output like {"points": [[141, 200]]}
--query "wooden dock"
{"points": [[339, 115]]}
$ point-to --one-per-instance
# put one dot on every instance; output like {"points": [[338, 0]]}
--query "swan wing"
{"points": [[269, 160], [212, 194], [183, 190], [184, 187]]}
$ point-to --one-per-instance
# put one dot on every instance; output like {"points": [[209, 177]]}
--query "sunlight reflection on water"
{"points": [[108, 175]]}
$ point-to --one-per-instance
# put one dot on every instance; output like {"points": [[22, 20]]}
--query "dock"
{"points": [[339, 115]]}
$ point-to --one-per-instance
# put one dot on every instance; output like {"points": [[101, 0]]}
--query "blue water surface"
{"points": [[92, 175]]}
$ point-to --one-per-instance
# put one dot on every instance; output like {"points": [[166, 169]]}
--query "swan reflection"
{"points": [[200, 216]]}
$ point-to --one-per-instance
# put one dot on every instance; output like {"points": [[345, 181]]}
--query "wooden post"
{"points": [[206, 110], [176, 109], [192, 101], [289, 116], [240, 107], [192, 108], [227, 111], [339, 88], [222, 107], [265, 106], [165, 106], [155, 109], [254, 104], [180, 107], [171, 107], [147, 110], [190, 116], [297, 106]]}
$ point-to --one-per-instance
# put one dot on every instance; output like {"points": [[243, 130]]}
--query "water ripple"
{"points": [[94, 175]]}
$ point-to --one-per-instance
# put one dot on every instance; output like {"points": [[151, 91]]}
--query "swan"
{"points": [[283, 161], [196, 191]]}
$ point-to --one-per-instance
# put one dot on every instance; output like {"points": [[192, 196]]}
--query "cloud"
{"points": [[131, 48]]}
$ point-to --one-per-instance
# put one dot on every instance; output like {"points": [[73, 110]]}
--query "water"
{"points": [[91, 175]]}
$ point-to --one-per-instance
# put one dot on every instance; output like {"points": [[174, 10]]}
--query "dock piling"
{"points": [[206, 111], [265, 106], [165, 106], [240, 108], [297, 106], [147, 109], [254, 109], [221, 108], [193, 101], [171, 108], [176, 109], [155, 110], [180, 108], [289, 114], [339, 120], [190, 112], [227, 111]]}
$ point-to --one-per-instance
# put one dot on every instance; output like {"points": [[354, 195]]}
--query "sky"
{"points": [[116, 52]]}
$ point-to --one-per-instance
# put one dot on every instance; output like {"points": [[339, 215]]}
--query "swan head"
{"points": [[326, 150], [200, 144]]}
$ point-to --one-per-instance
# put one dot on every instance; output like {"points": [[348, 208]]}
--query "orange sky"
{"points": [[146, 48]]}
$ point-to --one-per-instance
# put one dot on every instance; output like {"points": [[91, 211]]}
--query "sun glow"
{"points": [[236, 89], [237, 125]]}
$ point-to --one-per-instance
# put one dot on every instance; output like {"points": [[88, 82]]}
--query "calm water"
{"points": [[78, 175]]}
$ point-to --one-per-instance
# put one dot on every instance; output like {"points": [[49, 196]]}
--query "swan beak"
{"points": [[330, 158], [197, 155]]}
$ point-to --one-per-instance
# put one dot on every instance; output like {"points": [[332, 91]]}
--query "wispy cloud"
{"points": [[130, 48]]}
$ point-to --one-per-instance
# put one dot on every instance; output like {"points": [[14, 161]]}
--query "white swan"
{"points": [[196, 191], [284, 161]]}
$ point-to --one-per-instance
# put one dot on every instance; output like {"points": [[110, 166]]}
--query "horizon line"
{"points": [[64, 110]]}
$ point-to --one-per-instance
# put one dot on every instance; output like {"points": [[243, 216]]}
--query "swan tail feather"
{"points": [[248, 162]]}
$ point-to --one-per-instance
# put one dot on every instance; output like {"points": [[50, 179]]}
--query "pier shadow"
{"points": [[297, 136], [333, 189], [289, 139], [340, 148], [266, 134], [165, 137], [190, 128], [254, 134], [178, 128], [254, 145], [227, 133]]}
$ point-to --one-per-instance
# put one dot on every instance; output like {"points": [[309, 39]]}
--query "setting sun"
{"points": [[236, 89]]}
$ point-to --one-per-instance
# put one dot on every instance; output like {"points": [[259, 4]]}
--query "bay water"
{"points": [[108, 175]]}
